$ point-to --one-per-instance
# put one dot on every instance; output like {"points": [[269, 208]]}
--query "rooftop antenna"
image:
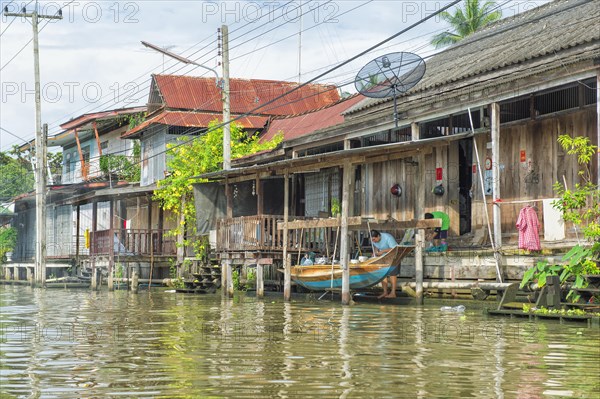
{"points": [[389, 75]]}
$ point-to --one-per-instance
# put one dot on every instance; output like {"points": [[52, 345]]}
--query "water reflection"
{"points": [[74, 344]]}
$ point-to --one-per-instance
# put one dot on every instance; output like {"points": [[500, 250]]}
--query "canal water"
{"points": [[82, 344]]}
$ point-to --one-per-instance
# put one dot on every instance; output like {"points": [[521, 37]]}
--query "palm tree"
{"points": [[467, 21]]}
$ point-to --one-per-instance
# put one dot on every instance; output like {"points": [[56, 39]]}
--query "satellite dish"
{"points": [[390, 75]]}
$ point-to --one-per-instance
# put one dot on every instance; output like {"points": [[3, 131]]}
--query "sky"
{"points": [[92, 60]]}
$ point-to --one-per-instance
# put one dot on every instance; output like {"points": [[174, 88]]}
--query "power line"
{"points": [[188, 56], [280, 16], [198, 132]]}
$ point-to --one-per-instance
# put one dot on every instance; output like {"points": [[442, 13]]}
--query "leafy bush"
{"points": [[8, 241], [581, 206]]}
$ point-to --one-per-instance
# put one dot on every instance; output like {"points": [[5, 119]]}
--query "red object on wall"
{"points": [[474, 168], [523, 156], [438, 173]]}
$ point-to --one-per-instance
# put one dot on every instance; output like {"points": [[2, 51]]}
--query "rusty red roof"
{"points": [[195, 119], [296, 126], [202, 94], [86, 118]]}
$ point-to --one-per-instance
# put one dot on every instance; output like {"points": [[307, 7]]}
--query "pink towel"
{"points": [[528, 226]]}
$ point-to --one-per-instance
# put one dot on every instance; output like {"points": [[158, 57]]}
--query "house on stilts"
{"points": [[504, 93]]}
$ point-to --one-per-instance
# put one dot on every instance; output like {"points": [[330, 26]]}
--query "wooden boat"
{"points": [[362, 274]]}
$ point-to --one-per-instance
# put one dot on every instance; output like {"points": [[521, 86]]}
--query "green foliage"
{"points": [[580, 205], [475, 16], [120, 165], [55, 164], [135, 119], [16, 176], [177, 282], [192, 157], [250, 279], [336, 208], [119, 270], [8, 241], [235, 277], [563, 312]]}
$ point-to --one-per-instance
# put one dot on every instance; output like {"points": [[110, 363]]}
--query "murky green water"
{"points": [[82, 344]]}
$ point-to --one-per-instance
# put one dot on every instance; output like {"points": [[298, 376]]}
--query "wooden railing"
{"points": [[260, 233], [140, 242]]}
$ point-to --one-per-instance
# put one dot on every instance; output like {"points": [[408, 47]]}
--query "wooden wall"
{"points": [[378, 179], [545, 163]]}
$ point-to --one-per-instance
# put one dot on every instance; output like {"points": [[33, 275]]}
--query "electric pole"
{"points": [[226, 109], [40, 148]]}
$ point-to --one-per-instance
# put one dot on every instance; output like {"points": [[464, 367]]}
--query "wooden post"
{"points": [[260, 282], [287, 258], [97, 138], [111, 249], [77, 236], [420, 172], [598, 124], [134, 282], [229, 272], [151, 238], [81, 159], [94, 244], [496, 214], [229, 199], [344, 241], [419, 240], [259, 197], [180, 239], [224, 276]]}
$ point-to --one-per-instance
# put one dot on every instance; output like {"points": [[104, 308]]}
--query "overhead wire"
{"points": [[175, 63], [198, 132]]}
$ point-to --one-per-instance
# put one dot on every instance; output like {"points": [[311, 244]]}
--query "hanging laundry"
{"points": [[528, 226]]}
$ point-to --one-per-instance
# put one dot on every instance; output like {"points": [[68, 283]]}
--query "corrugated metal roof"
{"points": [[201, 94], [194, 119], [540, 32], [81, 120], [296, 126]]}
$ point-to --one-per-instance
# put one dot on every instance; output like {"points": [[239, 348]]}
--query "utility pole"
{"points": [[226, 109], [300, 47], [40, 148]]}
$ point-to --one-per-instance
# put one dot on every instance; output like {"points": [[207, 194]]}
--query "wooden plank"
{"points": [[287, 285], [97, 138], [360, 223], [348, 176], [81, 160]]}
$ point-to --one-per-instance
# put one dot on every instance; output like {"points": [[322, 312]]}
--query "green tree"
{"points": [[16, 176], [464, 22], [188, 158]]}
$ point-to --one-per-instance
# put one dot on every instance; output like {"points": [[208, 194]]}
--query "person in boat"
{"points": [[440, 234], [383, 243]]}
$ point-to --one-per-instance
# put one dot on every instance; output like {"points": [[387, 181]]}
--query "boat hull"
{"points": [[362, 275]]}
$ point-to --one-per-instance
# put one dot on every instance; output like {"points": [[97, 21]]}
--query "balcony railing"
{"points": [[259, 233], [132, 242]]}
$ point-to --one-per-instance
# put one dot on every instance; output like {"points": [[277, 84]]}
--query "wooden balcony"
{"points": [[260, 233], [132, 242]]}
